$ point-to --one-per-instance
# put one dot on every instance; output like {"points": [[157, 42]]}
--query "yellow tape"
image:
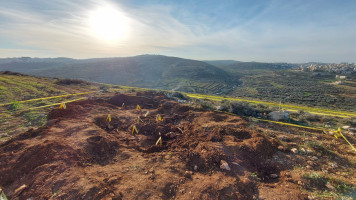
{"points": [[44, 98], [55, 104], [288, 124], [219, 98], [339, 134]]}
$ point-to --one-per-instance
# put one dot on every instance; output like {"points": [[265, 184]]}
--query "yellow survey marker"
{"points": [[62, 106], [108, 118], [134, 129], [158, 117], [159, 141], [139, 119], [138, 107]]}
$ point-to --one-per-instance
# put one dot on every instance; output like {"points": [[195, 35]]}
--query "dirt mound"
{"points": [[72, 110], [101, 150], [203, 155], [129, 100]]}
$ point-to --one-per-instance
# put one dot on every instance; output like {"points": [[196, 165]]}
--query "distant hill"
{"points": [[152, 71], [220, 63]]}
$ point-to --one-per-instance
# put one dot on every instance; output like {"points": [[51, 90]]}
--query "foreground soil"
{"points": [[204, 155]]}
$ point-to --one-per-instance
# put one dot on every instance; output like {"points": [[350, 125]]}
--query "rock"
{"points": [[274, 176], [300, 183], [152, 176], [333, 165], [294, 150], [281, 148], [302, 150], [224, 165], [315, 158], [345, 127], [308, 151], [195, 167], [187, 174]]}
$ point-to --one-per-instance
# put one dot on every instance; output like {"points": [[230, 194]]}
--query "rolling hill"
{"points": [[151, 71]]}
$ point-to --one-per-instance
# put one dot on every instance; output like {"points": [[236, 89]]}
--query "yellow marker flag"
{"points": [[108, 118], [158, 117], [134, 129], [337, 133], [159, 141], [138, 107], [139, 119], [62, 106]]}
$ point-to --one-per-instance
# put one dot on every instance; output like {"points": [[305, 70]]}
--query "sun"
{"points": [[108, 23]]}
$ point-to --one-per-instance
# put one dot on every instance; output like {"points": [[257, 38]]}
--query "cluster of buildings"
{"points": [[342, 68]]}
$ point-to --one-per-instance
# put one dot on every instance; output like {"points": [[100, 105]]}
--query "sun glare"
{"points": [[108, 24]]}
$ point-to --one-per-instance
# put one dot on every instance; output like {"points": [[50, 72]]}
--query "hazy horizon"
{"points": [[262, 31]]}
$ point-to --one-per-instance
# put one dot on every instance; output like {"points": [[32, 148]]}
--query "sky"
{"points": [[246, 30]]}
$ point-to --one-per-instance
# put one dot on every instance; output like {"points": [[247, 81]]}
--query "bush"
{"points": [[69, 81], [243, 109], [14, 106], [180, 95]]}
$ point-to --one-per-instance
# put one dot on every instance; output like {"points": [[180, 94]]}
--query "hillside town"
{"points": [[342, 68]]}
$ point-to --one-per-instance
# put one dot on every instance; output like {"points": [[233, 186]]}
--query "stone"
{"points": [[302, 150], [281, 148], [315, 158], [224, 165], [152, 176], [187, 174], [294, 150], [195, 167], [274, 176]]}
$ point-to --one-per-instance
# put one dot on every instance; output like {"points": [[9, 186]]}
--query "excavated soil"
{"points": [[78, 155]]}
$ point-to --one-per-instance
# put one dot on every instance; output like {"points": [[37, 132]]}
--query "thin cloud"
{"points": [[265, 31]]}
